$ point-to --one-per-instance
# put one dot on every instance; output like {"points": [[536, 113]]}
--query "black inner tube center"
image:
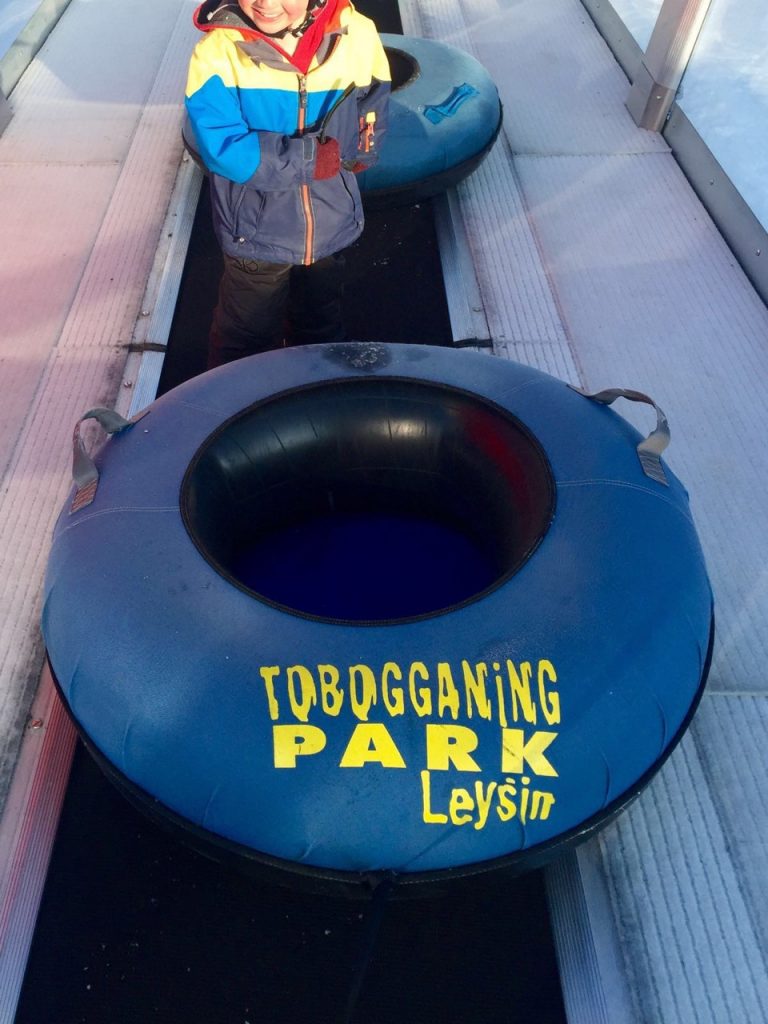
{"points": [[403, 68], [370, 500]]}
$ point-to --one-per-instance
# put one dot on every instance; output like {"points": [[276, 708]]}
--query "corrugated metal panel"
{"points": [[557, 99], [49, 231], [519, 302], [689, 946], [85, 239], [655, 300], [730, 734]]}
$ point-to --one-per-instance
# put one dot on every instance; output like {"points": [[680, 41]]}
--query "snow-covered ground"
{"points": [[725, 95], [724, 92], [14, 15], [639, 16]]}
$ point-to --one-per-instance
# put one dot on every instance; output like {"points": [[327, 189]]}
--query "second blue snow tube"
{"points": [[445, 114]]}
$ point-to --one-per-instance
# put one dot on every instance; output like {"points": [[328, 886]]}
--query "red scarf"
{"points": [[310, 40]]}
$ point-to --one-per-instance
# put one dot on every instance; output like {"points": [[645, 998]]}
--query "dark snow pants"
{"points": [[270, 305]]}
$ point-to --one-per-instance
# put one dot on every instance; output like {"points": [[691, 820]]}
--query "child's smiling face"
{"points": [[274, 15]]}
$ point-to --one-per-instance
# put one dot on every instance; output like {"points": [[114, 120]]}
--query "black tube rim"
{"points": [[547, 513]]}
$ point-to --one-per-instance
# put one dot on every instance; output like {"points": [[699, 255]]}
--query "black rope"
{"points": [[381, 888]]}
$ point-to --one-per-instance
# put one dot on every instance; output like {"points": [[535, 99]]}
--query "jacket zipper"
{"points": [[309, 220]]}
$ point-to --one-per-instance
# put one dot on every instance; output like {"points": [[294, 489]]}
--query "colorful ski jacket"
{"points": [[257, 118]]}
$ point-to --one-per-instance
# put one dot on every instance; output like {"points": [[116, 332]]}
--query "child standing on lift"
{"points": [[288, 101]]}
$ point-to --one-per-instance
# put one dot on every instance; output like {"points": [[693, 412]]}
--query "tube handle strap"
{"points": [[649, 451], [84, 472], [437, 112]]}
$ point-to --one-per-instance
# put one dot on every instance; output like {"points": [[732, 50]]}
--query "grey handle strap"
{"points": [[648, 451], [84, 471]]}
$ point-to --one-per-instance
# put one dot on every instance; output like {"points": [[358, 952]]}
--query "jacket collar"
{"points": [[317, 42], [222, 14]]}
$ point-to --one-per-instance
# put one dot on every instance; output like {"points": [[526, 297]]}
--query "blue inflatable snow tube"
{"points": [[445, 114], [360, 608]]}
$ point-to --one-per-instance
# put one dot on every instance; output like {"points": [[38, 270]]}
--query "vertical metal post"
{"points": [[657, 78]]}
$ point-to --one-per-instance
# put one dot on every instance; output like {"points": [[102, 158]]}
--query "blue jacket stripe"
{"points": [[226, 144], [221, 123]]}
